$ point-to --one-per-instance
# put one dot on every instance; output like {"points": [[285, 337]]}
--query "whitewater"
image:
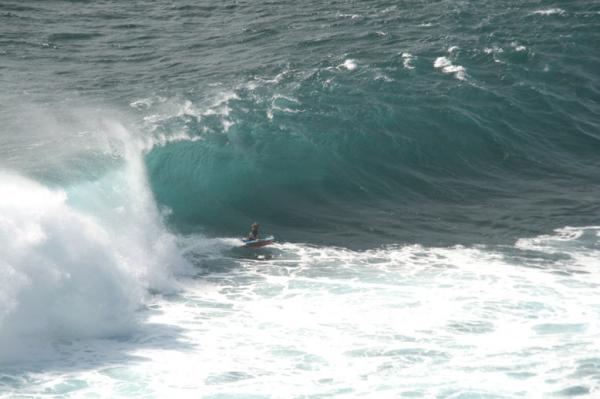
{"points": [[429, 170]]}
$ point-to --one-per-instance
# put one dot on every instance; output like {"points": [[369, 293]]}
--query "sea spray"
{"points": [[369, 178], [78, 261], [61, 274]]}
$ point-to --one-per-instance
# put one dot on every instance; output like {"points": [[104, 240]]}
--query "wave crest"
{"points": [[78, 261]]}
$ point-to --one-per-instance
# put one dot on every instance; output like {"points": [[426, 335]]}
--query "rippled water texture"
{"points": [[353, 123], [430, 170]]}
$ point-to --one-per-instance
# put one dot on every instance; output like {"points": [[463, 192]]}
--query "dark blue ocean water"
{"points": [[329, 123], [430, 169]]}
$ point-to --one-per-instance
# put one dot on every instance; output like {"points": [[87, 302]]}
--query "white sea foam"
{"points": [[285, 104], [145, 103], [349, 64], [62, 277], [275, 80], [446, 66], [407, 60], [550, 11], [161, 110], [161, 139], [77, 262], [441, 62], [354, 17], [518, 47], [315, 320], [493, 50]]}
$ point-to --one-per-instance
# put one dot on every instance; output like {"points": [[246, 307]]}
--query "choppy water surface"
{"points": [[430, 170]]}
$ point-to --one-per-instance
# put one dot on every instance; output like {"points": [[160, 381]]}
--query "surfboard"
{"points": [[261, 242]]}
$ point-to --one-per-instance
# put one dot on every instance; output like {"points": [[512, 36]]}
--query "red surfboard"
{"points": [[260, 242]]}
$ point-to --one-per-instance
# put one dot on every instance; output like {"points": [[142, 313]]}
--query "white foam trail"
{"points": [[145, 103], [161, 139], [253, 84], [579, 243], [277, 104], [550, 11], [162, 110], [446, 66]]}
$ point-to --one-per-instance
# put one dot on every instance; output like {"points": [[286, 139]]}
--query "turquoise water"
{"points": [[318, 119], [430, 169]]}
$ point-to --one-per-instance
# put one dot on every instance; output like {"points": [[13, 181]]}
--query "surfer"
{"points": [[252, 240], [253, 232]]}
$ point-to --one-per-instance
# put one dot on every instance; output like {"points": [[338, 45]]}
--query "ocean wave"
{"points": [[298, 150], [414, 212], [78, 261]]}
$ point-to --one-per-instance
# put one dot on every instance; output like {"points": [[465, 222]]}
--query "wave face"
{"points": [[314, 161], [353, 124], [406, 156]]}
